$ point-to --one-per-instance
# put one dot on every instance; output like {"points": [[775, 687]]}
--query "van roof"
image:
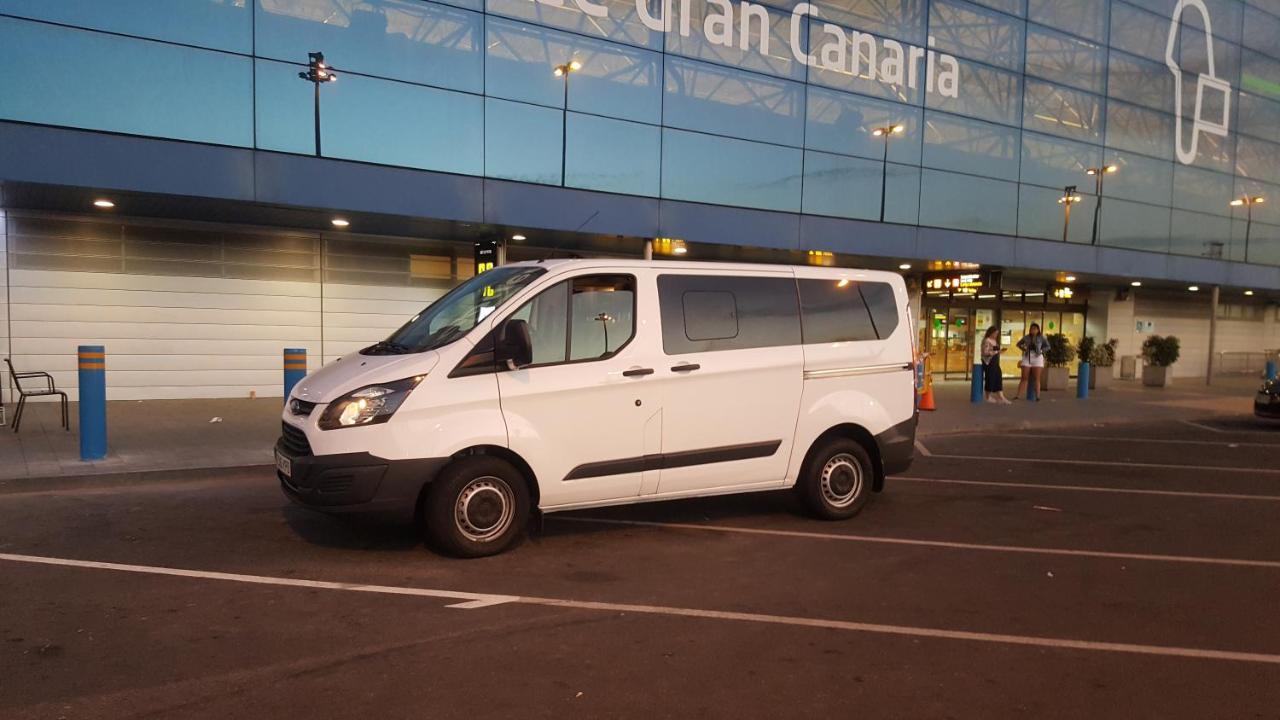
{"points": [[566, 263]]}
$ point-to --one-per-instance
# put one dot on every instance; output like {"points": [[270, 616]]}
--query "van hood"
{"points": [[354, 371]]}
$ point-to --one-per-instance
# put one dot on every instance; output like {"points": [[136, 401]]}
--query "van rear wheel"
{"points": [[835, 483], [477, 506]]}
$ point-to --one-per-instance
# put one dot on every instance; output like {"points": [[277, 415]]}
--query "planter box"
{"points": [[1100, 377], [1055, 378], [1156, 376]]}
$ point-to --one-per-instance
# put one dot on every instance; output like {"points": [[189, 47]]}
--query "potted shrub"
{"points": [[1103, 358], [1060, 353], [1159, 353]]}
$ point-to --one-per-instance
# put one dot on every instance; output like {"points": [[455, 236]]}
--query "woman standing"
{"points": [[993, 378], [1033, 346]]}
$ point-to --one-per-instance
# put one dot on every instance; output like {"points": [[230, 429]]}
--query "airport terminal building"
{"points": [[198, 184]]}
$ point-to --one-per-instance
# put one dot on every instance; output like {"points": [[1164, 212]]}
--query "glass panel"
{"points": [[1135, 225], [1258, 159], [1040, 215], [450, 317], [547, 315], [965, 202], [371, 120], [985, 93], [1197, 234], [603, 309], [1259, 116], [976, 33], [1139, 32], [1056, 163], [972, 146], [522, 142], [613, 80], [1202, 190], [398, 39], [1014, 7], [1260, 30], [1193, 58], [706, 168], [1065, 59], [1260, 74], [621, 22], [613, 155], [710, 98], [832, 312], [957, 338], [854, 60], [1087, 18], [715, 39], [843, 123], [1060, 111], [1224, 15], [1013, 325], [217, 24], [1139, 178], [1140, 81], [708, 313], [1130, 127], [901, 19], [150, 88], [842, 186]]}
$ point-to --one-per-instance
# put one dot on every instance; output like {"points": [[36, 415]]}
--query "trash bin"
{"points": [[1129, 367]]}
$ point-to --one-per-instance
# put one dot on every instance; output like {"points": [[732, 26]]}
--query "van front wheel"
{"points": [[836, 482], [477, 506]]}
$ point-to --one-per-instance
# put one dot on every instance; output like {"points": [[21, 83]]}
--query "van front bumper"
{"points": [[356, 482], [898, 446]]}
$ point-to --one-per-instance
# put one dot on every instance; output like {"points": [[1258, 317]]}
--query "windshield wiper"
{"points": [[386, 347]]}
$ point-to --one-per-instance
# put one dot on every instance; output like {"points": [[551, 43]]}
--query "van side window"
{"points": [[586, 318], [702, 313], [841, 311]]}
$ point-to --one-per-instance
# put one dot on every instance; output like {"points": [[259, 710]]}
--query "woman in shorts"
{"points": [[1033, 346]]}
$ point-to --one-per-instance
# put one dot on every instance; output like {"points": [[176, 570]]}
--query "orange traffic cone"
{"points": [[926, 400]]}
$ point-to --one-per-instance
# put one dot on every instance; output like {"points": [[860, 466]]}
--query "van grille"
{"points": [[294, 440]]}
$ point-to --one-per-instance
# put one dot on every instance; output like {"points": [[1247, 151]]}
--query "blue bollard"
{"points": [[975, 386], [1082, 381], [295, 368], [93, 402], [1033, 389], [1271, 369]]}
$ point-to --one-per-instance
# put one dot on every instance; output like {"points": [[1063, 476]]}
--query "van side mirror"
{"points": [[514, 347]]}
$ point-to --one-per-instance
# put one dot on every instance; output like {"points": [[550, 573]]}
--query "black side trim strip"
{"points": [[707, 456]]}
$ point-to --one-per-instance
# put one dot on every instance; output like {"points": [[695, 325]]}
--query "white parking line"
{"points": [[1103, 463], [1202, 426], [487, 600], [1091, 488], [1154, 441], [1020, 549]]}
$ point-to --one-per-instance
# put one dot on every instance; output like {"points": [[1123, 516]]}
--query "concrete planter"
{"points": [[1101, 377], [1156, 376], [1055, 378]]}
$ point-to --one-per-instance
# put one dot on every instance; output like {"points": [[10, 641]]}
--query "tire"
{"points": [[477, 506], [835, 483]]}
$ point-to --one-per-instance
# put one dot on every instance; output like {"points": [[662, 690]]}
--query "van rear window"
{"points": [[843, 311]]}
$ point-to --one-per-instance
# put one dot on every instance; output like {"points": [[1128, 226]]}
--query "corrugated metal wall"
{"points": [[194, 310]]}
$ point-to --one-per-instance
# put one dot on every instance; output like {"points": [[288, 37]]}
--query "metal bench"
{"points": [[24, 393]]}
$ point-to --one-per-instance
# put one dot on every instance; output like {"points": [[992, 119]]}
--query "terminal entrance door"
{"points": [[950, 334]]}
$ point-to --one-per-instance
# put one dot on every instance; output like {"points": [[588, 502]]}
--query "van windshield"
{"points": [[455, 314]]}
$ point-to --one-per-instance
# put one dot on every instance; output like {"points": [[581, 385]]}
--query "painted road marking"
{"points": [[1188, 559], [1105, 463], [1210, 428], [1092, 488], [923, 450], [1095, 438], [670, 611]]}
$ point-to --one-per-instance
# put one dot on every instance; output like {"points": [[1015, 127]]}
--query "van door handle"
{"points": [[637, 372], [686, 367]]}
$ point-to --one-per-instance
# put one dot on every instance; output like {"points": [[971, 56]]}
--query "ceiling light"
{"points": [[517, 237], [1194, 288], [340, 223], [1136, 283], [104, 204], [1070, 278], [1248, 292], [904, 266], [680, 250]]}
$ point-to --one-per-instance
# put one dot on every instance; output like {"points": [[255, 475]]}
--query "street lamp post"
{"points": [[317, 73], [886, 132], [563, 72], [1069, 198], [1248, 202], [1098, 174]]}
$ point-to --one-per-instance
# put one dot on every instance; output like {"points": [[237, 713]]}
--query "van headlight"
{"points": [[369, 405]]}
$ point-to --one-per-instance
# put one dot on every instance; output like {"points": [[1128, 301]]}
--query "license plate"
{"points": [[284, 465]]}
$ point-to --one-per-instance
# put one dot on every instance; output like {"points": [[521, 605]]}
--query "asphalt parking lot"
{"points": [[1099, 571]]}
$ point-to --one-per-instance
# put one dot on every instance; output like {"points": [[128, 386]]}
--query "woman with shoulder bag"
{"points": [[992, 376], [1033, 346]]}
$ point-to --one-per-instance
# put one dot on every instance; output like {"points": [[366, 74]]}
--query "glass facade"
{"points": [[769, 105]]}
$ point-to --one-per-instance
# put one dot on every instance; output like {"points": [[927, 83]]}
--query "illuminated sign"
{"points": [[486, 256], [1063, 292], [961, 283]]}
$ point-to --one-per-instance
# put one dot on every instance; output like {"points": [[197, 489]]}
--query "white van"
{"points": [[568, 384]]}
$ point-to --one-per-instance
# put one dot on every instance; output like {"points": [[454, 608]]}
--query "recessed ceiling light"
{"points": [[679, 250], [1070, 278], [1248, 292], [340, 222], [1194, 288], [1136, 283], [904, 266], [517, 237], [104, 204]]}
